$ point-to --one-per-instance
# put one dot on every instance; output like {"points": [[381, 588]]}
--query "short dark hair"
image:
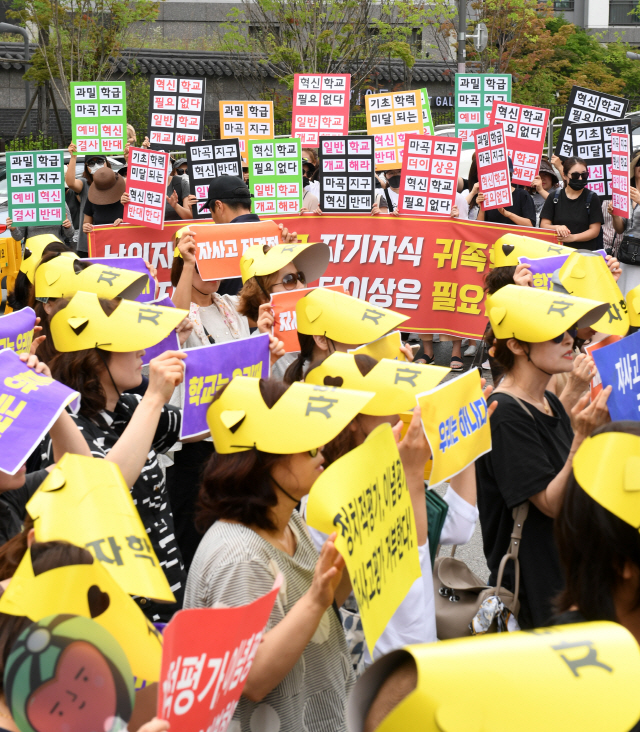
{"points": [[594, 546], [235, 204], [497, 278], [236, 486]]}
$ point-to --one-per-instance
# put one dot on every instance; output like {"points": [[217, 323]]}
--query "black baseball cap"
{"points": [[227, 188], [179, 163]]}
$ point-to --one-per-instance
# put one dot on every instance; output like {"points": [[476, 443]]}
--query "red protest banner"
{"points": [[493, 167], [429, 174], [620, 174], [206, 658], [525, 128], [320, 106], [146, 187]]}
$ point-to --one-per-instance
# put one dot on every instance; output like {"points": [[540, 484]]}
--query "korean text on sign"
{"points": [[16, 330], [147, 187], [619, 367], [206, 161], [592, 142], [493, 167], [176, 111], [246, 121], [585, 105], [390, 117], [525, 129], [35, 188], [429, 174], [427, 120], [474, 98], [275, 176], [320, 106], [347, 172], [99, 116], [620, 174]]}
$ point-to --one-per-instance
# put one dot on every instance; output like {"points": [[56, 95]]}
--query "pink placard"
{"points": [[493, 167]]}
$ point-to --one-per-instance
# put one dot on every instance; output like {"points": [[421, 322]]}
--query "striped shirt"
{"points": [[234, 566]]}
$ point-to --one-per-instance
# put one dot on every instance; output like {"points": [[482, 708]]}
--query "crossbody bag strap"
{"points": [[388, 197]]}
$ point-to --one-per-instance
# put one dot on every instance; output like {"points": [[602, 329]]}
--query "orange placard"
{"points": [[596, 382], [220, 246], [246, 121]]}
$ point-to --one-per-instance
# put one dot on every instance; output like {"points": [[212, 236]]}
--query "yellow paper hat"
{"points": [[607, 468], [176, 239], [61, 277], [36, 245], [83, 500], [533, 315], [633, 306], [312, 259], [508, 248], [395, 383], [343, 318], [305, 417], [585, 275], [548, 679], [386, 347], [132, 326]]}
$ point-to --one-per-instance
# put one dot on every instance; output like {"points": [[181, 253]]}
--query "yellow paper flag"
{"points": [[454, 417], [86, 501], [386, 347], [364, 497]]}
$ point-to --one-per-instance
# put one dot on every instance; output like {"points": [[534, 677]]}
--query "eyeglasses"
{"points": [[573, 332], [313, 453], [289, 281], [580, 176]]}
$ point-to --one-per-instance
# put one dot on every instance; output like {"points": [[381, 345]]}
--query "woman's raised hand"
{"points": [[327, 574]]}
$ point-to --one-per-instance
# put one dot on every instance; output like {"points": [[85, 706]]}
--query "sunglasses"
{"points": [[573, 332], [181, 171], [580, 176], [289, 281], [313, 453]]}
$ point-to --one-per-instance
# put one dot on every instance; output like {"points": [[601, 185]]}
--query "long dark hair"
{"points": [[594, 546], [472, 179], [295, 370]]}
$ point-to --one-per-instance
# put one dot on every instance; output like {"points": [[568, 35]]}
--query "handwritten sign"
{"points": [[347, 170], [474, 98], [99, 116], [206, 161], [16, 330], [176, 111], [390, 118], [275, 176], [320, 106], [246, 121], [493, 167], [619, 368], [147, 180], [621, 174], [592, 142], [35, 188]]}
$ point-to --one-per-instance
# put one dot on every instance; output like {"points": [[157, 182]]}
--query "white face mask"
{"points": [[96, 166]]}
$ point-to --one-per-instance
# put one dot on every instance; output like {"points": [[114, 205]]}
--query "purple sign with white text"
{"points": [[133, 264], [16, 330]]}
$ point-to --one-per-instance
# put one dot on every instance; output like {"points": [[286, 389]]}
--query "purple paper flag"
{"points": [[210, 367], [170, 343], [542, 269], [16, 330], [133, 264], [29, 404]]}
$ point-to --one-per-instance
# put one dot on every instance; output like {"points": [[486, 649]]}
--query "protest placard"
{"points": [[347, 170], [390, 117], [147, 179], [619, 368], [543, 269], [35, 188], [29, 404], [429, 174], [586, 105], [455, 421], [493, 168], [209, 368], [596, 381], [99, 116], [525, 129], [592, 143], [206, 161], [16, 330], [275, 175], [246, 121], [176, 111], [133, 264], [474, 98], [320, 106], [427, 120], [375, 526], [215, 664], [170, 343], [621, 174]]}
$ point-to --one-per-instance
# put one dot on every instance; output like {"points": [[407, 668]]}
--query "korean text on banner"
{"points": [[16, 330], [176, 111], [206, 161], [29, 404], [429, 174], [493, 168], [619, 367], [474, 98], [596, 381], [454, 418], [586, 105], [525, 129], [246, 121], [170, 343], [147, 179], [375, 525], [35, 188], [592, 142], [347, 171], [620, 174], [99, 116], [390, 117], [275, 176], [133, 264], [203, 673], [209, 368], [320, 106]]}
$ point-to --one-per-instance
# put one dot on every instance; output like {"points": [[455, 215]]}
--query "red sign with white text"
{"points": [[621, 174], [493, 167], [147, 179], [320, 106]]}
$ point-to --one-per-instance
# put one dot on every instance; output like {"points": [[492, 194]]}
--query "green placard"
{"points": [[474, 97], [99, 116], [275, 174], [35, 187], [427, 121]]}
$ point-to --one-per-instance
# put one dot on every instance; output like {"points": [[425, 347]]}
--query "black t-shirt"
{"points": [[523, 205], [525, 457], [572, 213], [104, 213]]}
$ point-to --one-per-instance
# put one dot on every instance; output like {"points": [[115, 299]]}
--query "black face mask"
{"points": [[394, 181], [577, 185], [305, 181]]}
